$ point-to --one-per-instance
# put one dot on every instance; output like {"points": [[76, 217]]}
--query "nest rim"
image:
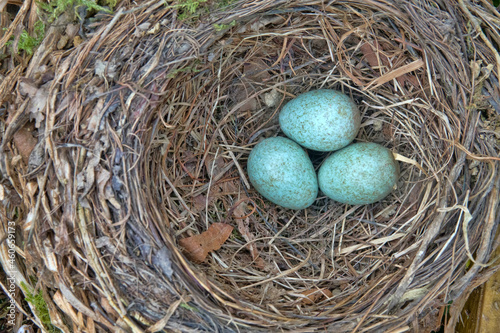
{"points": [[199, 112]]}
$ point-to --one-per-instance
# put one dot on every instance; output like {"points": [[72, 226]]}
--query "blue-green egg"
{"points": [[321, 120], [282, 172], [359, 174]]}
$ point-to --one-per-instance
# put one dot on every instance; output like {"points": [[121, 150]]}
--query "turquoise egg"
{"points": [[321, 120], [282, 172], [359, 174]]}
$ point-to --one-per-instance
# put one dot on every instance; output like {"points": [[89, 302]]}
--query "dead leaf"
{"points": [[37, 156], [214, 167], [376, 58], [257, 71], [38, 99], [25, 143], [387, 131], [199, 203], [162, 260], [197, 247], [230, 187], [27, 87], [373, 57], [64, 305], [242, 96], [313, 296]]}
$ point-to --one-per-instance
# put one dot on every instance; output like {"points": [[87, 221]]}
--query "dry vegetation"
{"points": [[142, 134]]}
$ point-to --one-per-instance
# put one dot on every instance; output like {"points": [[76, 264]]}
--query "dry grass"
{"points": [[145, 135]]}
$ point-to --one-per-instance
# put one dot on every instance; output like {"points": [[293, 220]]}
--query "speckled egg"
{"points": [[322, 120], [282, 172], [359, 174]]}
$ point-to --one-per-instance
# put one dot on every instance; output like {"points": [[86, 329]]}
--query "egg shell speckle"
{"points": [[282, 172], [359, 174], [322, 120]]}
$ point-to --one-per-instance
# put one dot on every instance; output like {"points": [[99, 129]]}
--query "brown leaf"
{"points": [[214, 167], [387, 132], [314, 295], [197, 247], [375, 56], [257, 71], [38, 100], [230, 187], [25, 143], [200, 201], [242, 95]]}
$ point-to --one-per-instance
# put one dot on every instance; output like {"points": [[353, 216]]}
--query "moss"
{"points": [[191, 10], [188, 9], [220, 27], [40, 306], [56, 8], [27, 42], [225, 3], [190, 6]]}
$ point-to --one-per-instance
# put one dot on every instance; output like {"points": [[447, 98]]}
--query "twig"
{"points": [[485, 39]]}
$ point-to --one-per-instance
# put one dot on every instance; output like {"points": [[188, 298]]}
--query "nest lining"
{"points": [[147, 143]]}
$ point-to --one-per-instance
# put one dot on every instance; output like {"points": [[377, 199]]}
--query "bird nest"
{"points": [[124, 166]]}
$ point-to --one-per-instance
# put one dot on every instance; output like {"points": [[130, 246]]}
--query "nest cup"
{"points": [[143, 140]]}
